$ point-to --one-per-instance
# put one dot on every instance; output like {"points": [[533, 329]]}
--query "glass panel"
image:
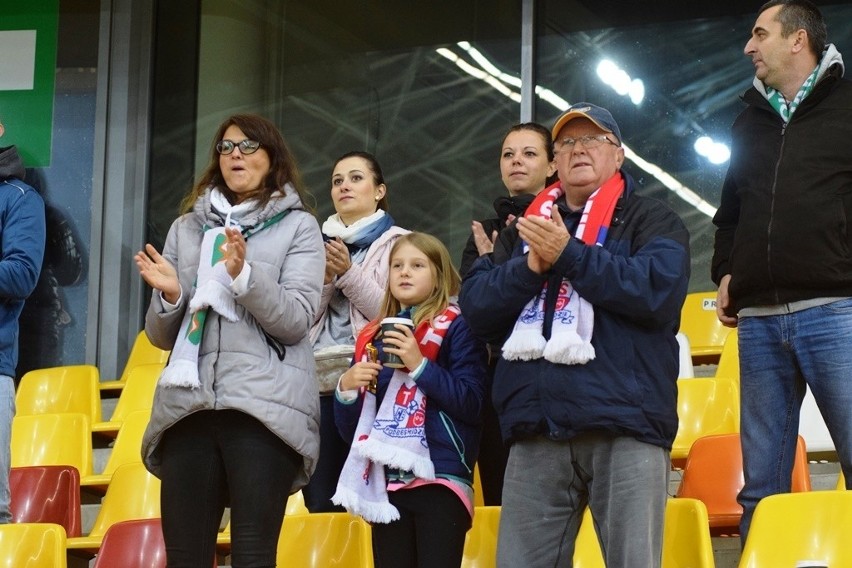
{"points": [[693, 71], [395, 82]]}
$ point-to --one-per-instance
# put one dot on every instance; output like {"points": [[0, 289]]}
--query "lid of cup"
{"points": [[811, 564], [404, 321]]}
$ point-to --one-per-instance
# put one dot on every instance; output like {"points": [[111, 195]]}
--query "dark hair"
{"points": [[538, 129], [282, 163], [800, 15], [375, 169]]}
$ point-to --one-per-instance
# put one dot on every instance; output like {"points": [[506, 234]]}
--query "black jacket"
{"points": [[637, 282], [504, 206], [792, 189]]}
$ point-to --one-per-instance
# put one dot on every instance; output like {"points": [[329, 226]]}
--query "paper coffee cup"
{"points": [[389, 324]]}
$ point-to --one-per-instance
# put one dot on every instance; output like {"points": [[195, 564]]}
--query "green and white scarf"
{"points": [[779, 103], [212, 291]]}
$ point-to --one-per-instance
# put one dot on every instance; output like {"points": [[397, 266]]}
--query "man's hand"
{"points": [[723, 303], [547, 238]]}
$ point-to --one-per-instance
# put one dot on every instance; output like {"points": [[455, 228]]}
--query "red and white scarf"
{"points": [[570, 340], [395, 435]]}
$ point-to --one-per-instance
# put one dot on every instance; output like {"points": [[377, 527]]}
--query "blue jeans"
{"points": [[779, 357], [7, 413]]}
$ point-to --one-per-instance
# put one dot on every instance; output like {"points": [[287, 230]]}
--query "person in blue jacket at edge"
{"points": [[584, 292], [22, 237]]}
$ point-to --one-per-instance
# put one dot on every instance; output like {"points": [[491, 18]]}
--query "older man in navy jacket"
{"points": [[584, 292]]}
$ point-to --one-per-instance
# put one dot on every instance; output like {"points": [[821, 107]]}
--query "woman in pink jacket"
{"points": [[358, 239]]}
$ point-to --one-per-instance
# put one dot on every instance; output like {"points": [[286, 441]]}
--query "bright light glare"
{"points": [[715, 152], [620, 81], [637, 91]]}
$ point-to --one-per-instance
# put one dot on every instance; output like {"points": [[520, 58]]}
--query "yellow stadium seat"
{"points": [[126, 449], [841, 482], [705, 406], [52, 439], [142, 353], [32, 545], [68, 389], [319, 540], [137, 394], [789, 527], [480, 545], [587, 548], [133, 493], [296, 504], [699, 323], [686, 538], [729, 360]]}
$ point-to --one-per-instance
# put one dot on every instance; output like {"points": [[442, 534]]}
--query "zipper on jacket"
{"points": [[772, 212], [454, 438]]}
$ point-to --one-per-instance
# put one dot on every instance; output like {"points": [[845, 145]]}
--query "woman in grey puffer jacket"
{"points": [[236, 416]]}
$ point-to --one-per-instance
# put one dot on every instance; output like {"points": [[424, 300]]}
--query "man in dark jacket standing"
{"points": [[22, 235], [783, 251], [586, 290]]}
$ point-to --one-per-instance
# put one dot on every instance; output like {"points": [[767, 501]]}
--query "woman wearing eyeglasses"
{"points": [[358, 236], [235, 420]]}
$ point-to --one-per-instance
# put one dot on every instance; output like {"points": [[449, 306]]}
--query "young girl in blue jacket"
{"points": [[415, 430]]}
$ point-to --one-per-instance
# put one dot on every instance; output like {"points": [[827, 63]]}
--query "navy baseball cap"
{"points": [[600, 116]]}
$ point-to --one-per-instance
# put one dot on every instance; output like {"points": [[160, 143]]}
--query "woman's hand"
{"points": [[158, 273], [361, 374], [337, 260], [484, 244], [403, 344], [235, 252]]}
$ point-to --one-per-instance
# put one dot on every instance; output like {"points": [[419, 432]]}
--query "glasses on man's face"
{"points": [[588, 141], [246, 146]]}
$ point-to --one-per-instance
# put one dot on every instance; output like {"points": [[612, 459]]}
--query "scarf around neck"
{"points": [[212, 289], [393, 436], [573, 319], [830, 57], [361, 233]]}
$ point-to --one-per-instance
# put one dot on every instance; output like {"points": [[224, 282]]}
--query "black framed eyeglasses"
{"points": [[588, 141], [246, 146]]}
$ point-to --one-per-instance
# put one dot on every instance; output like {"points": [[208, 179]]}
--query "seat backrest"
{"points": [[794, 526], [72, 388], [587, 548], [699, 323], [133, 544], [52, 439], [480, 545], [138, 391], [296, 504], [32, 545], [46, 494], [686, 539], [143, 353], [713, 474], [324, 539], [729, 360], [133, 493], [128, 442], [705, 406]]}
